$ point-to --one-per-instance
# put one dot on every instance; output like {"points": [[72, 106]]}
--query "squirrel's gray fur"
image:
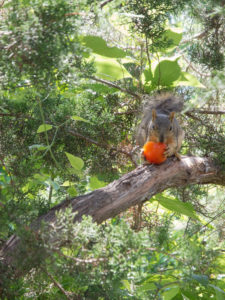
{"points": [[164, 104]]}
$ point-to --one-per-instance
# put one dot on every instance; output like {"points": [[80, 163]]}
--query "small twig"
{"points": [[159, 67], [129, 112], [156, 211], [80, 261], [104, 3], [50, 195], [57, 284], [1, 5], [190, 115], [197, 36], [75, 14], [186, 228], [115, 86], [146, 46], [45, 133], [209, 112], [140, 205], [89, 140], [193, 68], [14, 115], [213, 219], [103, 145]]}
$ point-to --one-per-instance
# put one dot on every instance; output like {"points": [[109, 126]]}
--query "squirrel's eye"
{"points": [[153, 127], [171, 128]]}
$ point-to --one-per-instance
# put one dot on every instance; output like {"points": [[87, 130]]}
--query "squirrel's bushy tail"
{"points": [[163, 102]]}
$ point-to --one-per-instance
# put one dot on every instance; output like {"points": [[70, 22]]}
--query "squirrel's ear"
{"points": [[171, 117], [153, 115]]}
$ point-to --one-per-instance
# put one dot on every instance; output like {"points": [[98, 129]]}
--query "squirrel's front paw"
{"points": [[146, 163], [168, 152]]}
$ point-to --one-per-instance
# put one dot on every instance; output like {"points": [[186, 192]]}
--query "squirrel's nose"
{"points": [[161, 138]]}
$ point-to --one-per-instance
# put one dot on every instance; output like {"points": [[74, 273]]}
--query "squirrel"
{"points": [[159, 124]]}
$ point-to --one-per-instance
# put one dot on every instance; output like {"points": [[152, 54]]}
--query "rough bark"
{"points": [[133, 188]]}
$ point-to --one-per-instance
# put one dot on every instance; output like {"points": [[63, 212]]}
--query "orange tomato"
{"points": [[153, 152]]}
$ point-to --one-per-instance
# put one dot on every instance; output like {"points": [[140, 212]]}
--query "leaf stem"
{"points": [[46, 135]]}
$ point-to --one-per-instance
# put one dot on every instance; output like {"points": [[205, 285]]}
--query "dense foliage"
{"points": [[73, 79]]}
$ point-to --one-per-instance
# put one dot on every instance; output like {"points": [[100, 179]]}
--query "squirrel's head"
{"points": [[162, 127]]}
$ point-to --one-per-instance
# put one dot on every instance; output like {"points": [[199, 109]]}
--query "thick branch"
{"points": [[131, 189]]}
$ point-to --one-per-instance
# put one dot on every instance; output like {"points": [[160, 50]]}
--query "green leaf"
{"points": [[44, 127], [77, 118], [152, 282], [110, 69], [178, 297], [72, 191], [189, 295], [148, 75], [147, 286], [95, 183], [76, 162], [126, 284], [166, 72], [187, 79], [41, 177], [67, 183], [177, 206], [170, 292], [99, 46], [174, 36]]}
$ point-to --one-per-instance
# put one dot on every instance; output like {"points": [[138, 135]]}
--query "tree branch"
{"points": [[104, 3], [58, 285], [115, 86], [2, 3], [197, 36], [131, 189], [194, 68], [209, 112]]}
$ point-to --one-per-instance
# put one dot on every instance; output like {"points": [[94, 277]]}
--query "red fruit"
{"points": [[154, 152]]}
